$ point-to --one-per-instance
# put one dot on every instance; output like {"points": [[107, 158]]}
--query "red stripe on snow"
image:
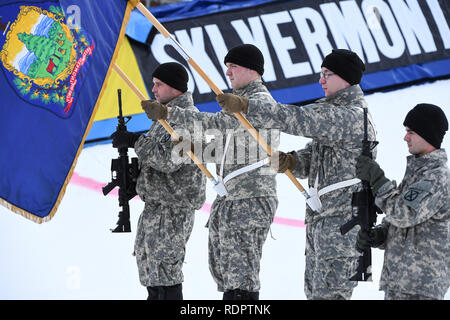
{"points": [[97, 186]]}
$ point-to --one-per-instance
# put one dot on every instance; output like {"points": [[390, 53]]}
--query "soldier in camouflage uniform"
{"points": [[240, 221], [415, 233], [171, 190], [335, 125]]}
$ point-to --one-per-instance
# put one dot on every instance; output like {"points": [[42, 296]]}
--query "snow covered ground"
{"points": [[75, 256]]}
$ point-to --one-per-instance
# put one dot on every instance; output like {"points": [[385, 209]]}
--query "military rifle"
{"points": [[123, 174], [366, 213]]}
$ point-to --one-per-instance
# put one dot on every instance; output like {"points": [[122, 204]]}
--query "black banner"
{"points": [[294, 37]]}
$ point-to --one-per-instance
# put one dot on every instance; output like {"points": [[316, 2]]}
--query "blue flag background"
{"points": [[55, 59]]}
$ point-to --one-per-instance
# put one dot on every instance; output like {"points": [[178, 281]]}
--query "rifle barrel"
{"points": [[119, 96]]}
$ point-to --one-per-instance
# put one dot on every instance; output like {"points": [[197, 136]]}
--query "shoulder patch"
{"points": [[416, 192]]}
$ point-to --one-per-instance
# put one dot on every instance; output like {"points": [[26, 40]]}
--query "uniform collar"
{"points": [[182, 101], [344, 96], [433, 159], [250, 88]]}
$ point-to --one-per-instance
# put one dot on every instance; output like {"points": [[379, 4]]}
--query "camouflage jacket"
{"points": [[165, 178], [336, 126], [417, 256], [243, 149]]}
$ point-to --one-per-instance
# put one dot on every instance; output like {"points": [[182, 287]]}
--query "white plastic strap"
{"points": [[245, 169], [314, 200], [219, 186], [338, 185], [227, 143]]}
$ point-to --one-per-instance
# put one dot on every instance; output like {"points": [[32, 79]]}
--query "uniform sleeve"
{"points": [[219, 120], [317, 120], [411, 205], [303, 162], [157, 153]]}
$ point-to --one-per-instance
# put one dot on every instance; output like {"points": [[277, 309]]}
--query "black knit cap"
{"points": [[429, 122], [346, 64], [172, 74], [246, 55]]}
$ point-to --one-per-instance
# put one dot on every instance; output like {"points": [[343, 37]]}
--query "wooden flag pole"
{"points": [[212, 85], [166, 126]]}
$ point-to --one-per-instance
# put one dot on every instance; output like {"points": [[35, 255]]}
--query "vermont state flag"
{"points": [[55, 58]]}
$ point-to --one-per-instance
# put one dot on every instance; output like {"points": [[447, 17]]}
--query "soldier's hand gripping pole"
{"points": [[212, 85]]}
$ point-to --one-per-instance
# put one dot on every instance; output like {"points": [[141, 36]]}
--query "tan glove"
{"points": [[154, 109], [232, 103], [280, 161]]}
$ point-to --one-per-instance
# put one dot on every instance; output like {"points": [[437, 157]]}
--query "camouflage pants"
{"points": [[237, 232], [397, 295], [161, 237], [331, 259]]}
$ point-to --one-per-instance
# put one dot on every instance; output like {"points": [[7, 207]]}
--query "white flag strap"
{"points": [[245, 169], [314, 200], [338, 185]]}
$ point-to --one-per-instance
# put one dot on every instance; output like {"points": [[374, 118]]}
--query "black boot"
{"points": [[238, 294]]}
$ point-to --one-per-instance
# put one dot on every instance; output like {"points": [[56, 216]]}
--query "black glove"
{"points": [[154, 109], [369, 170], [124, 139], [373, 239], [285, 161]]}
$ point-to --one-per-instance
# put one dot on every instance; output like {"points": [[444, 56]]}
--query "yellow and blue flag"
{"points": [[55, 59]]}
